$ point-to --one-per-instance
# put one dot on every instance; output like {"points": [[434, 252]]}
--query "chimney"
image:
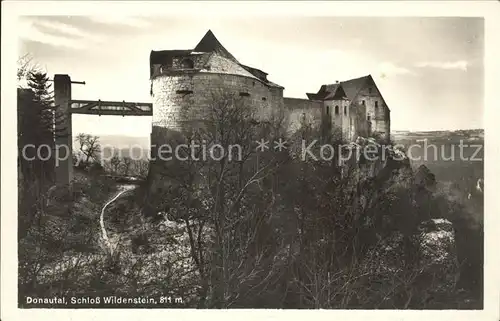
{"points": [[336, 81]]}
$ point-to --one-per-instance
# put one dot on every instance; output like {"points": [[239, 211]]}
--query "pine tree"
{"points": [[38, 120], [44, 109]]}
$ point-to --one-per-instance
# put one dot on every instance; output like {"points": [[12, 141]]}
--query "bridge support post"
{"points": [[63, 139]]}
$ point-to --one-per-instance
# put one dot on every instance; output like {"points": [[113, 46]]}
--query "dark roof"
{"points": [[349, 87], [325, 92], [312, 96], [353, 86], [332, 90], [256, 72], [319, 95], [159, 57], [209, 43], [254, 69]]}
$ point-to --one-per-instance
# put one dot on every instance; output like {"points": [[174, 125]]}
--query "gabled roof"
{"points": [[334, 90], [353, 86], [326, 92], [209, 43], [349, 87], [312, 96], [320, 95]]}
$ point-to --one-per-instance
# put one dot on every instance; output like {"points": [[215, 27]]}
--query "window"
{"points": [[363, 102], [243, 94], [187, 64], [328, 110], [337, 110], [369, 90], [184, 91], [376, 104], [264, 98], [368, 117], [345, 110]]}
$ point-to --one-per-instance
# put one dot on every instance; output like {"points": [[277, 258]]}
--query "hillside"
{"points": [[440, 152]]}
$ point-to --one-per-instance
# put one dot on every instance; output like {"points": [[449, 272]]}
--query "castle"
{"points": [[182, 82]]}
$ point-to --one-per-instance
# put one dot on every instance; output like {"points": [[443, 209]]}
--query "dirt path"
{"points": [[104, 234]]}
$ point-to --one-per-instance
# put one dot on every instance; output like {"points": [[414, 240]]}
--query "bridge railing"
{"points": [[118, 108]]}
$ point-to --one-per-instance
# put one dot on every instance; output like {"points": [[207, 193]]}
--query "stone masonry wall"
{"points": [[302, 110], [182, 100], [338, 120], [187, 96], [376, 109]]}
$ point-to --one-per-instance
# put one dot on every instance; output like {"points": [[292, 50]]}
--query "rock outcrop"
{"points": [[411, 244], [425, 179]]}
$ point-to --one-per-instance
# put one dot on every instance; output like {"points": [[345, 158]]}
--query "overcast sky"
{"points": [[430, 70]]}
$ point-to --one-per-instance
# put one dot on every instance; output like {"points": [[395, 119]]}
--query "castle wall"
{"points": [[377, 111], [183, 99], [338, 120], [354, 123], [298, 111], [187, 96]]}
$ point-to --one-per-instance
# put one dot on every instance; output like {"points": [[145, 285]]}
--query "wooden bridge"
{"points": [[116, 108], [69, 106]]}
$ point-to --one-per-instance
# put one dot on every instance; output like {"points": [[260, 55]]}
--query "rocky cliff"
{"points": [[406, 238]]}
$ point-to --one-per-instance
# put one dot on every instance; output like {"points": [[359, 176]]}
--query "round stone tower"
{"points": [[184, 84]]}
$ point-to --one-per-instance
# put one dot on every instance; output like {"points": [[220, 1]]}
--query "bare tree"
{"points": [[140, 167], [115, 163], [217, 200], [126, 165], [89, 146], [26, 65]]}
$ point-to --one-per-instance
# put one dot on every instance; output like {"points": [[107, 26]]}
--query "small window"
{"points": [[253, 83], [370, 90], [184, 91], [376, 104], [337, 110], [363, 102], [243, 94], [187, 64], [345, 110], [328, 110], [264, 98], [368, 118]]}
